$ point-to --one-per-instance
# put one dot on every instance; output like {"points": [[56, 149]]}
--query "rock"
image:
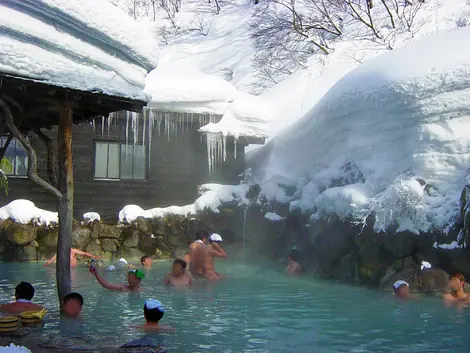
{"points": [[143, 225], [160, 227], [110, 245], [21, 234], [101, 231], [48, 238], [128, 254], [34, 244], [81, 237], [106, 256], [20, 253], [148, 244], [434, 280], [94, 247], [131, 237]]}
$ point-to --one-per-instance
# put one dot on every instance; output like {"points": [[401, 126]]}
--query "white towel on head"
{"points": [[425, 264], [216, 237]]}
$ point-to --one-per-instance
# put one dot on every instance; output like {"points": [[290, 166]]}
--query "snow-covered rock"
{"points": [[86, 45], [184, 89], [14, 349], [272, 216], [397, 124], [212, 197], [91, 217], [246, 116], [24, 212]]}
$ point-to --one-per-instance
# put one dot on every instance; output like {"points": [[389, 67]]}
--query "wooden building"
{"points": [[154, 159]]}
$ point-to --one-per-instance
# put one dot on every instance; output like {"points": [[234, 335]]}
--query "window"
{"points": [[114, 160], [16, 156]]}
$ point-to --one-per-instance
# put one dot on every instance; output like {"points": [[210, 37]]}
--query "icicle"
{"points": [[109, 120], [135, 128], [127, 127], [150, 133], [102, 126], [224, 143], [235, 144]]}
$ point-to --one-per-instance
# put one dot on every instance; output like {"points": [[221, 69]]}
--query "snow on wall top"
{"points": [[24, 211], [390, 138], [246, 116], [87, 45], [184, 89]]}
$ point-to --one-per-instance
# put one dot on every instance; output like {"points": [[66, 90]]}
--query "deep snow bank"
{"points": [[391, 137], [88, 45]]}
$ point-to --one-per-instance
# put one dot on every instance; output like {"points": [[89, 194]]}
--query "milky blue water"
{"points": [[255, 310]]}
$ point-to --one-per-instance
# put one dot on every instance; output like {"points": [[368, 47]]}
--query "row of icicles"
{"points": [[139, 127]]}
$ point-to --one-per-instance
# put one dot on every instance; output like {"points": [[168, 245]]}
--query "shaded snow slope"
{"points": [[184, 89], [89, 45], [391, 137]]}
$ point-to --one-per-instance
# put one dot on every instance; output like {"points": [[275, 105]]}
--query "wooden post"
{"points": [[64, 242]]}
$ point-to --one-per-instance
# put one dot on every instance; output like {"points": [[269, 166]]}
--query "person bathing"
{"points": [[24, 293], [196, 256], [73, 303], [134, 277], [153, 313], [293, 265], [213, 250], [456, 286], [73, 257], [178, 277]]}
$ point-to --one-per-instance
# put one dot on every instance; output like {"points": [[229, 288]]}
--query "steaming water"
{"points": [[255, 310]]}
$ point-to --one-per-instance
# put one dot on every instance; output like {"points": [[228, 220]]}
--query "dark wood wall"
{"points": [[178, 165]]}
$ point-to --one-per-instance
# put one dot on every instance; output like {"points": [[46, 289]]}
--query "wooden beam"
{"points": [[64, 243]]}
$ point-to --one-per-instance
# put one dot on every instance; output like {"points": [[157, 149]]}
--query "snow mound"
{"points": [[274, 217], [212, 197], [14, 349], [24, 212], [246, 116], [184, 89], [451, 246], [397, 124], [88, 45], [91, 217]]}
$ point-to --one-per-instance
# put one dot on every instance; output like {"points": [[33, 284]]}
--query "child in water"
{"points": [[153, 313], [178, 277], [293, 265]]}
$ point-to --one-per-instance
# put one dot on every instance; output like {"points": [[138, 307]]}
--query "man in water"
{"points": [[134, 277], [197, 253], [401, 289], [178, 277], [73, 257], [146, 261], [456, 286], [153, 313], [213, 250], [73, 303], [293, 265], [24, 293]]}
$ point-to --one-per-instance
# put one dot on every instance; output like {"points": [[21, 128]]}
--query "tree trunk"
{"points": [[66, 202]]}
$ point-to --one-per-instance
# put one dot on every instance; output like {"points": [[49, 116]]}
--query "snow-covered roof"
{"points": [[185, 89], [388, 127], [246, 116], [88, 45]]}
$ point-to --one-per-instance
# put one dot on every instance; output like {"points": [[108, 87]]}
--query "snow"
{"points": [[396, 124], [91, 217], [212, 196], [24, 212], [451, 246], [14, 349], [182, 89], [274, 217], [88, 45], [246, 116]]}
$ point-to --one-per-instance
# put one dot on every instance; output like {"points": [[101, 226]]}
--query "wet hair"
{"points": [[459, 276], [73, 296], [152, 315], [181, 262], [202, 236], [294, 255], [143, 258], [24, 290]]}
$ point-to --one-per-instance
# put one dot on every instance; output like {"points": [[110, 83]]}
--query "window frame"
{"points": [[14, 140], [120, 145]]}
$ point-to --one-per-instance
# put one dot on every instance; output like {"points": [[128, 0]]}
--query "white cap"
{"points": [[215, 237], [123, 260], [398, 284], [111, 268], [154, 304], [425, 264]]}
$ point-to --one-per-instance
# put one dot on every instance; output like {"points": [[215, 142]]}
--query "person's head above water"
{"points": [[153, 311], [215, 238], [73, 303], [24, 291], [179, 266], [134, 277], [456, 282], [401, 288], [146, 261]]}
